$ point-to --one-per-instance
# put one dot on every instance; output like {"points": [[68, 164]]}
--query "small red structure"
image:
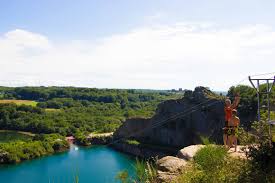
{"points": [[70, 139]]}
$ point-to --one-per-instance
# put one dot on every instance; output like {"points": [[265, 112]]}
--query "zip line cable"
{"points": [[181, 114], [178, 115], [263, 74], [158, 124]]}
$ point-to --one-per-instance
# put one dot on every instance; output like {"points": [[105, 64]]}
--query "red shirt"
{"points": [[228, 113]]}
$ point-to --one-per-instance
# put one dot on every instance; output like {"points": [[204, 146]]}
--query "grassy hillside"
{"points": [[19, 102]]}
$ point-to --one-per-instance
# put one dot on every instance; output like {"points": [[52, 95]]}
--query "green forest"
{"points": [[63, 110]]}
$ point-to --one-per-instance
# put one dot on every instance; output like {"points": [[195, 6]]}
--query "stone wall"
{"points": [[141, 151]]}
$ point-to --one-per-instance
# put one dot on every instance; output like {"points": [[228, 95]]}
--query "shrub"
{"points": [[210, 157], [261, 154], [145, 172], [123, 176], [228, 172], [205, 140], [133, 142], [13, 152]]}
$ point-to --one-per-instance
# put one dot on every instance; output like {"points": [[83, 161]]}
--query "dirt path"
{"points": [[100, 134], [21, 132], [240, 153]]}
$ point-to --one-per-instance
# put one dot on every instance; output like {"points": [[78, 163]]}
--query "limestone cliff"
{"points": [[179, 123]]}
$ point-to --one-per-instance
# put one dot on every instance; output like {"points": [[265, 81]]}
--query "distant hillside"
{"points": [[224, 93], [67, 110]]}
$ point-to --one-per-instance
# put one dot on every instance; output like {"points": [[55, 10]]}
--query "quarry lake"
{"points": [[98, 164]]}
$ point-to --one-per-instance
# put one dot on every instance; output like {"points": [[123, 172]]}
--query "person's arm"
{"points": [[236, 101], [237, 122]]}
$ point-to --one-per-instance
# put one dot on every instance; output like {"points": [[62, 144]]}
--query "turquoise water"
{"points": [[92, 165]]}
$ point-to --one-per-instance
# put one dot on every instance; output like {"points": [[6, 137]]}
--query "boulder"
{"points": [[169, 167], [170, 164], [189, 152], [166, 177], [4, 157]]}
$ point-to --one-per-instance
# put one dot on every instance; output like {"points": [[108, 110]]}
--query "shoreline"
{"points": [[106, 139]]}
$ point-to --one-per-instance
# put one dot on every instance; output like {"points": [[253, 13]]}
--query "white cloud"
{"points": [[181, 55], [27, 39]]}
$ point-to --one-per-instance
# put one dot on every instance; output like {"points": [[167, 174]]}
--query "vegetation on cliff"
{"points": [[40, 145]]}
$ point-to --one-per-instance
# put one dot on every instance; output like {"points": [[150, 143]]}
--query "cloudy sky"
{"points": [[156, 44]]}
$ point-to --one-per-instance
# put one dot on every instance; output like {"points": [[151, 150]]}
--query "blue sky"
{"points": [[84, 19], [157, 44]]}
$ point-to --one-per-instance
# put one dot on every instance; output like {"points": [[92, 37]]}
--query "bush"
{"points": [[123, 176], [133, 142], [210, 157], [146, 171], [13, 152], [228, 172], [261, 155]]}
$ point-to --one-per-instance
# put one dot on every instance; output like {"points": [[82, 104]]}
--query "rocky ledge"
{"points": [[142, 151], [179, 123], [169, 167]]}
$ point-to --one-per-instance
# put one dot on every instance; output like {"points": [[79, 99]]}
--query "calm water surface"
{"points": [[95, 165]]}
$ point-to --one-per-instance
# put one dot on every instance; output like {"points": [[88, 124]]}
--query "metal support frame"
{"points": [[268, 92]]}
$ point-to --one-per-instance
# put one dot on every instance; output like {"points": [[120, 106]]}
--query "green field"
{"points": [[19, 102]]}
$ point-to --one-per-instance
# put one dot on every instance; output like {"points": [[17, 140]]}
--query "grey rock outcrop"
{"points": [[3, 157], [140, 151], [179, 123], [189, 152], [169, 168], [170, 164]]}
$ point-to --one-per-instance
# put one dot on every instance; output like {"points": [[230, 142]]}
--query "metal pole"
{"points": [[258, 96], [268, 92], [268, 100], [268, 109]]}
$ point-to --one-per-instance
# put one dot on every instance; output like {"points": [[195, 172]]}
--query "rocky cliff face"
{"points": [[179, 123]]}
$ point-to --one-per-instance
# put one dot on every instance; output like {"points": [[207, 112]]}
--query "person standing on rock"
{"points": [[228, 115], [233, 129]]}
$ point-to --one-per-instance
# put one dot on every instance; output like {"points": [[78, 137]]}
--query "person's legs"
{"points": [[230, 141], [225, 136], [235, 138], [235, 143], [229, 137], [225, 139]]}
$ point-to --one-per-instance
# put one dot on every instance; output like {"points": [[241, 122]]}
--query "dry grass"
{"points": [[19, 102], [52, 110]]}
